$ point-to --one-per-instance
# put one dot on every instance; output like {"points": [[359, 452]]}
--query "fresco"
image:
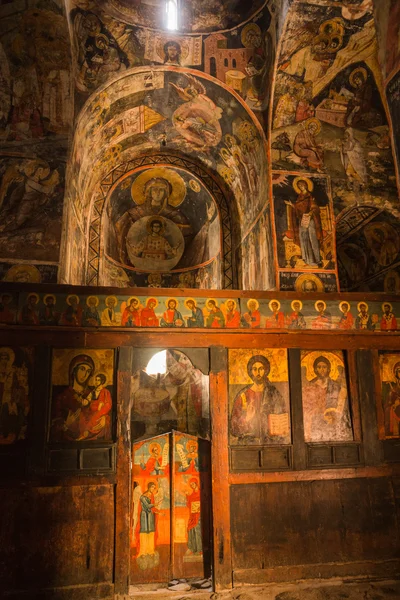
{"points": [[151, 514], [326, 409], [390, 381], [162, 220], [82, 392], [328, 113], [110, 38], [189, 312], [16, 372], [305, 233], [393, 98], [35, 119], [170, 111], [259, 397], [176, 396], [197, 15], [368, 250], [28, 273], [259, 274]]}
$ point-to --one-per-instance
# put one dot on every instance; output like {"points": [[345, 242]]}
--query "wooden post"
{"points": [[122, 488], [366, 380], [220, 469], [299, 447]]}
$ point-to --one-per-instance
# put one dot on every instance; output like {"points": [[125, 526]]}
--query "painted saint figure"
{"points": [[131, 314], [252, 318], [388, 321], [325, 405], [232, 315], [148, 525], [148, 317], [391, 403], [155, 246], [14, 401], [305, 226], [193, 502], [277, 319], [347, 319], [306, 147], [215, 318], [324, 318], [260, 413], [364, 320], [197, 318], [172, 317], [296, 319]]}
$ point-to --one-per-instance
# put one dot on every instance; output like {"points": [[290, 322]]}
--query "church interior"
{"points": [[231, 167]]}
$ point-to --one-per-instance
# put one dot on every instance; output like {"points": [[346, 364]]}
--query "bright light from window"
{"points": [[157, 364], [172, 15]]}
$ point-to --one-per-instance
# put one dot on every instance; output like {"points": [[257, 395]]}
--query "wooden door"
{"points": [[170, 509], [191, 507], [151, 511]]}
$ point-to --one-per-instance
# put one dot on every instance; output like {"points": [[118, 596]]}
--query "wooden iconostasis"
{"points": [[95, 427]]}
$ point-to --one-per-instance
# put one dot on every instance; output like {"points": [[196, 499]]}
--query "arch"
{"points": [[144, 110], [96, 251]]}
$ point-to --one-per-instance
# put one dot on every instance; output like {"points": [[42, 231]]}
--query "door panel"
{"points": [[151, 511], [191, 506], [170, 539]]}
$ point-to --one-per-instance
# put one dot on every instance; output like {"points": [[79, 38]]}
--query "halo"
{"points": [[308, 358], [132, 298], [319, 302], [359, 71], [255, 301], [182, 43], [308, 277], [189, 300], [213, 299], [191, 442], [250, 27], [278, 303], [388, 364], [359, 304], [176, 182], [68, 300], [341, 305], [89, 298], [297, 302], [49, 296], [33, 294], [113, 298], [10, 352], [309, 183], [337, 25], [154, 445], [195, 186], [316, 122], [101, 36], [229, 140], [392, 275], [171, 298], [153, 300], [387, 304], [150, 222], [230, 300], [32, 272]]}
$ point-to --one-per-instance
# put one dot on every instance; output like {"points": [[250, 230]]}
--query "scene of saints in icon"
{"points": [[259, 397], [303, 216], [390, 382], [326, 409], [163, 220]]}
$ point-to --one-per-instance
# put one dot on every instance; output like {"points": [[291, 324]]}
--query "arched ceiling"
{"points": [[195, 16]]}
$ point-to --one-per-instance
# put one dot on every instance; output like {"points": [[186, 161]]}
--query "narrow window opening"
{"points": [[172, 14]]}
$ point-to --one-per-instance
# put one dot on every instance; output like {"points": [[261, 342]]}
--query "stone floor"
{"points": [[309, 590]]}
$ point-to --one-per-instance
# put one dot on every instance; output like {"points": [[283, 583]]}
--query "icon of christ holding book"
{"points": [[260, 414]]}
